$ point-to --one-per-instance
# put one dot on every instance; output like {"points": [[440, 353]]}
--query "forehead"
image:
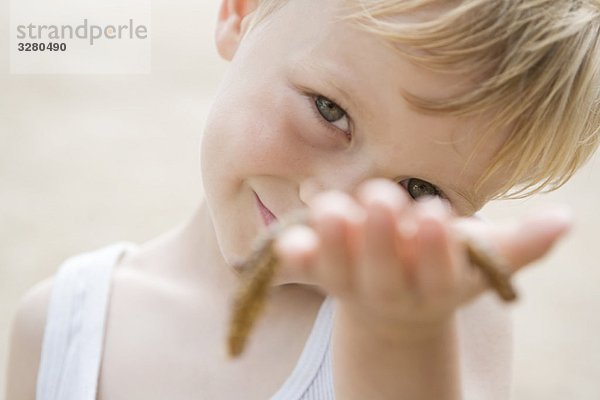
{"points": [[316, 42]]}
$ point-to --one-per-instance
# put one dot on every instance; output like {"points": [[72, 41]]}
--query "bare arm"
{"points": [[482, 341], [369, 363], [25, 344], [485, 336]]}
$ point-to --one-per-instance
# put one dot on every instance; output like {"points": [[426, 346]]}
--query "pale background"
{"points": [[89, 160]]}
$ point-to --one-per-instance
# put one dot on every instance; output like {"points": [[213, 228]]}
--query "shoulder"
{"points": [[486, 344], [27, 333]]}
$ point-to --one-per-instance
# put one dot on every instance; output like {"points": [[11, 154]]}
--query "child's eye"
{"points": [[417, 188], [332, 113]]}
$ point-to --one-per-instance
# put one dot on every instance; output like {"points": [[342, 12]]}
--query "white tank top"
{"points": [[74, 334]]}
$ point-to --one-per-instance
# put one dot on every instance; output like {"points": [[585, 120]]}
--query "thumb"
{"points": [[534, 236], [518, 244]]}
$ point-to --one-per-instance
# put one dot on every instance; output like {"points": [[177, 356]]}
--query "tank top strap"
{"points": [[75, 325], [312, 377]]}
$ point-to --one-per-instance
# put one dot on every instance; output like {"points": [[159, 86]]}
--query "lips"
{"points": [[265, 213]]}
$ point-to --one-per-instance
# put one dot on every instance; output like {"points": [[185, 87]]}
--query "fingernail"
{"points": [[383, 191], [296, 239], [559, 212], [329, 199], [433, 207], [337, 204], [562, 212]]}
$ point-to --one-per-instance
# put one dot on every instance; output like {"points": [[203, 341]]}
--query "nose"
{"points": [[334, 179], [309, 188]]}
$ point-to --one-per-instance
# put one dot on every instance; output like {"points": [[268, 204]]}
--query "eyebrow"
{"points": [[325, 75]]}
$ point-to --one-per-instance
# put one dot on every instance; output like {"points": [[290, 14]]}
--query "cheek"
{"points": [[239, 148], [264, 137]]}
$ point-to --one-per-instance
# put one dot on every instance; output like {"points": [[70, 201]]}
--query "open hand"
{"points": [[394, 261]]}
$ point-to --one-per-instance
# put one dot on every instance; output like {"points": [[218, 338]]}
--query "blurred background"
{"points": [[88, 160]]}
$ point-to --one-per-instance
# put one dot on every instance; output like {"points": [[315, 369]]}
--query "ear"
{"points": [[233, 21]]}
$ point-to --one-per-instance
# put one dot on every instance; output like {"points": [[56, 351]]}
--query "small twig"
{"points": [[494, 268], [260, 268]]}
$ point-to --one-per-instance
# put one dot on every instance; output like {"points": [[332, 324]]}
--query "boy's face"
{"points": [[309, 104]]}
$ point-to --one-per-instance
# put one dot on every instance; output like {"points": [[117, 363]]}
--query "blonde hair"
{"points": [[538, 69]]}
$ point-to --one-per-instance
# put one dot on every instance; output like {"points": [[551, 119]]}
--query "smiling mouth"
{"points": [[266, 215]]}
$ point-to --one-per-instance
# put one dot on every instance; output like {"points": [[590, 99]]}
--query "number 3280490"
{"points": [[51, 46]]}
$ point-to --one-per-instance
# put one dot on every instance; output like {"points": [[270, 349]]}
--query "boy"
{"points": [[351, 118]]}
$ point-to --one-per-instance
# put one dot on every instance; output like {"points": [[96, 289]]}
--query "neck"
{"points": [[193, 256], [188, 254]]}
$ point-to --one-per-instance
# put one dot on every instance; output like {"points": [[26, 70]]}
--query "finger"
{"points": [[534, 236], [380, 271], [385, 189], [515, 245], [333, 214], [523, 242], [437, 268], [407, 228], [297, 247]]}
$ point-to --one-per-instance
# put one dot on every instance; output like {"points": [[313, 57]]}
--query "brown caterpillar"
{"points": [[260, 268]]}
